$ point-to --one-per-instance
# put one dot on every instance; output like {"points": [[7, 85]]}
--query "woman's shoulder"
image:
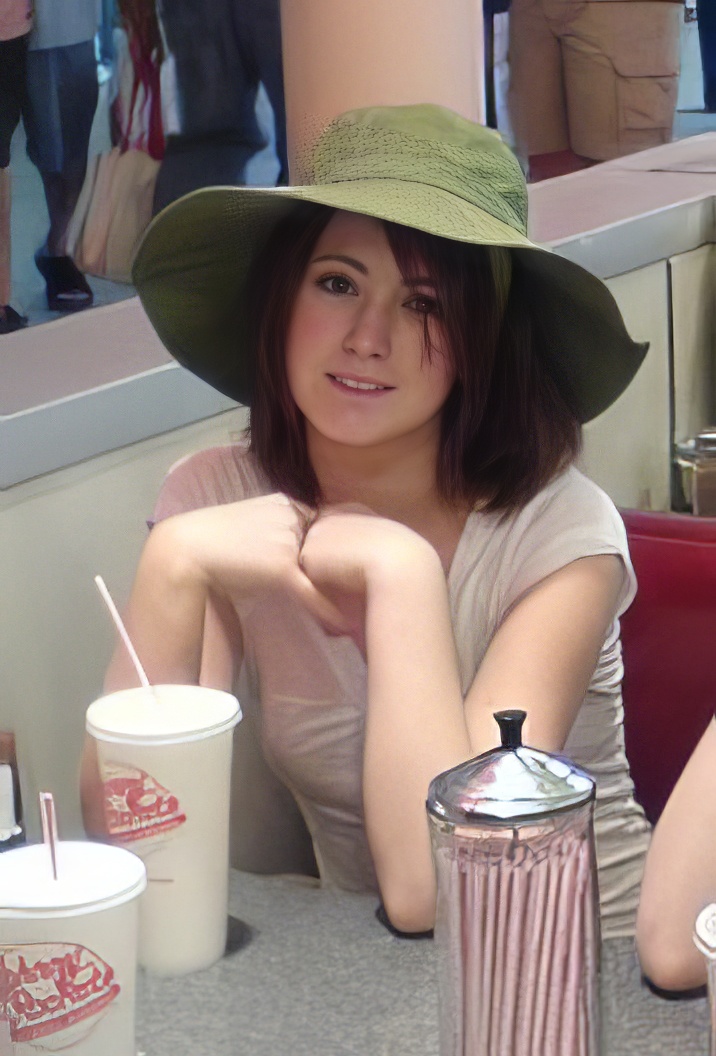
{"points": [[573, 499], [570, 518], [211, 477]]}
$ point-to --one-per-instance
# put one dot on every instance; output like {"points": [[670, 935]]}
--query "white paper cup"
{"points": [[164, 758], [68, 950]]}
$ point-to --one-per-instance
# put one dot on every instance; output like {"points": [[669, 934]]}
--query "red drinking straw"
{"points": [[49, 827]]}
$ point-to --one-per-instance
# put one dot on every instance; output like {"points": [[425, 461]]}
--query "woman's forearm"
{"points": [[415, 728], [680, 874], [165, 614]]}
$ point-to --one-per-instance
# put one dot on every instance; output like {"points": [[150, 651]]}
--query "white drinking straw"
{"points": [[102, 588], [49, 827]]}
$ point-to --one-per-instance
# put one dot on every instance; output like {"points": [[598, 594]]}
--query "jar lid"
{"points": [[162, 714], [90, 877], [508, 783]]}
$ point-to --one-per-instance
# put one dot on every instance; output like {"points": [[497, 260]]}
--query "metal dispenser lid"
{"points": [[509, 783]]}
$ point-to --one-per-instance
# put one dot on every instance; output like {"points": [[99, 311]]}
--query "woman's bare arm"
{"points": [[180, 615], [680, 875], [543, 656], [417, 723]]}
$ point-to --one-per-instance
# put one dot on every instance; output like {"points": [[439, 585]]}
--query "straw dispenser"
{"points": [[517, 923]]}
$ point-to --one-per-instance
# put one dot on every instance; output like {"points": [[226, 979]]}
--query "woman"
{"points": [[403, 546]]}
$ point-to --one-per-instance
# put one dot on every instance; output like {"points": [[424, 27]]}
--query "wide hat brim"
{"points": [[192, 267]]}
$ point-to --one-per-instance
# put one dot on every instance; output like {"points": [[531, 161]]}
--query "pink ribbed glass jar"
{"points": [[517, 923]]}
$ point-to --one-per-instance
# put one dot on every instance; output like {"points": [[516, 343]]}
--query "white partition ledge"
{"points": [[88, 384], [100, 380]]}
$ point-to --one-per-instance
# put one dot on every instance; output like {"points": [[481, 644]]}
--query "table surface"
{"points": [[313, 973]]}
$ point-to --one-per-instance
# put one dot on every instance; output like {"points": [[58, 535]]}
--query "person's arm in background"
{"points": [[680, 875]]}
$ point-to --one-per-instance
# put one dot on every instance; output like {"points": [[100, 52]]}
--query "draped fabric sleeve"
{"points": [[570, 519], [212, 477]]}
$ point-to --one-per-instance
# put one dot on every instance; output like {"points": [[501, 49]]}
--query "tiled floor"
{"points": [[29, 216]]}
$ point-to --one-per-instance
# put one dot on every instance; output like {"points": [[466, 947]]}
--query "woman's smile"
{"points": [[360, 386]]}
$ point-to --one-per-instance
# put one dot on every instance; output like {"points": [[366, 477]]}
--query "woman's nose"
{"points": [[369, 334]]}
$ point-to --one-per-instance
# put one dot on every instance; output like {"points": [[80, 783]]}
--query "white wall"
{"points": [[627, 449], [693, 298], [56, 533]]}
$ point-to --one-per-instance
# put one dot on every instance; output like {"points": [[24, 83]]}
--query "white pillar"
{"points": [[342, 54]]}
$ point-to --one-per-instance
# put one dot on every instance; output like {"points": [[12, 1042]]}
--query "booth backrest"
{"points": [[669, 642]]}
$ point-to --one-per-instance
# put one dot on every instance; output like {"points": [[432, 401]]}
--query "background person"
{"points": [[221, 51], [62, 93], [403, 545], [15, 24], [591, 80], [706, 21]]}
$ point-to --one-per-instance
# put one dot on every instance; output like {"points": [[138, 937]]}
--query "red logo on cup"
{"points": [[136, 806], [52, 993]]}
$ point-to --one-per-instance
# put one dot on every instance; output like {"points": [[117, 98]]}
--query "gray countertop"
{"points": [[313, 973]]}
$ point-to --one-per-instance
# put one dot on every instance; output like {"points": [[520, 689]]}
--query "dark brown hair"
{"points": [[506, 427]]}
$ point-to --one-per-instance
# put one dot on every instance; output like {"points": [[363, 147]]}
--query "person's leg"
{"points": [[536, 98], [216, 100], [62, 190], [259, 23], [536, 94], [12, 80], [62, 99], [706, 16], [621, 64]]}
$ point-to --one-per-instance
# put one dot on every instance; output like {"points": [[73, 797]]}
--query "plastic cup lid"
{"points": [[705, 931], [90, 877], [162, 715]]}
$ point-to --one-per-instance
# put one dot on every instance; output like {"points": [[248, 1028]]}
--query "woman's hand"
{"points": [[195, 564], [244, 548], [348, 551]]}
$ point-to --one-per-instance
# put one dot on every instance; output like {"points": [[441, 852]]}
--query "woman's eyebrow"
{"points": [[419, 280], [343, 260]]}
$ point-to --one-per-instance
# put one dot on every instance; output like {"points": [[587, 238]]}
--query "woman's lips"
{"points": [[365, 387]]}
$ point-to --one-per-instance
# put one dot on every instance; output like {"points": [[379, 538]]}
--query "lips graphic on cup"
{"points": [[52, 994], [136, 805]]}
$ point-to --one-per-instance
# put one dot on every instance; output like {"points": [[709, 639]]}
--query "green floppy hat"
{"points": [[421, 166]]}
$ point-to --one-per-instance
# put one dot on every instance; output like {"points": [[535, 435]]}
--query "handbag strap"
{"points": [[144, 49]]}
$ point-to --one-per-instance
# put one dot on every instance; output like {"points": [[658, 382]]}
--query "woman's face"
{"points": [[355, 356]]}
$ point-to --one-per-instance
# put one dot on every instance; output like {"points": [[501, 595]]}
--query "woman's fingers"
{"points": [[325, 611]]}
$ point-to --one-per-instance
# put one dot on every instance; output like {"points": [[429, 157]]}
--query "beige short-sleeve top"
{"points": [[309, 689]]}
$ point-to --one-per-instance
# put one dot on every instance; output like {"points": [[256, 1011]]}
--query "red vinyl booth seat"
{"points": [[669, 643]]}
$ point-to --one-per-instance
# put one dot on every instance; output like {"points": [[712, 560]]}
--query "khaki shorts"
{"points": [[599, 77]]}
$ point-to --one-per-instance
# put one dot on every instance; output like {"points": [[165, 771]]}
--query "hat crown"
{"points": [[428, 145]]}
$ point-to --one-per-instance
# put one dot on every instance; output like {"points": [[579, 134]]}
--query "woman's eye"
{"points": [[424, 304], [336, 284]]}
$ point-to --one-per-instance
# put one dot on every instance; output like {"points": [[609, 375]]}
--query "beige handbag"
{"points": [[113, 210], [115, 205]]}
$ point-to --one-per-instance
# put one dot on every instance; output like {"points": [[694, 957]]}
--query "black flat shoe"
{"points": [[67, 288], [10, 320]]}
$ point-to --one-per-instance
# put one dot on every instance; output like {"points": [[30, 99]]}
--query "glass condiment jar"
{"points": [[517, 923]]}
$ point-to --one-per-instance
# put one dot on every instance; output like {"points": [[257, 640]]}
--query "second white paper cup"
{"points": [[164, 757], [68, 950]]}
